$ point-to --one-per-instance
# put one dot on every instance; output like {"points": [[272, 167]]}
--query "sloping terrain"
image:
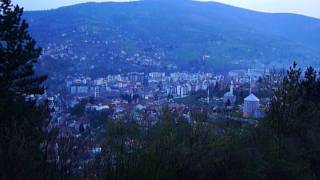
{"points": [[102, 38]]}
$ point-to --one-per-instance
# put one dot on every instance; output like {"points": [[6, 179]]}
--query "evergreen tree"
{"points": [[293, 121], [21, 119]]}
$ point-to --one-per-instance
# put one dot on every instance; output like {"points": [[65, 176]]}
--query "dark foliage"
{"points": [[282, 146], [22, 119]]}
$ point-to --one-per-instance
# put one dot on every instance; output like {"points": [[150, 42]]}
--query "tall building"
{"points": [[97, 92]]}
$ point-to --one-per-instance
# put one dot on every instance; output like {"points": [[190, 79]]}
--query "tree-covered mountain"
{"points": [[99, 38]]}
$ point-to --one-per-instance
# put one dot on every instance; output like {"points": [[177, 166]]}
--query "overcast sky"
{"points": [[305, 7]]}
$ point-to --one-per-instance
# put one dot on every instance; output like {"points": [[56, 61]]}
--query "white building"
{"points": [[179, 91], [182, 90], [157, 75], [205, 85], [251, 106], [256, 73]]}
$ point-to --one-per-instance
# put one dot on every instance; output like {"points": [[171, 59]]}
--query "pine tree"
{"points": [[294, 123], [22, 119]]}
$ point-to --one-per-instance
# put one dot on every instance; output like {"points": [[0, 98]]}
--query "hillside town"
{"points": [[140, 97], [159, 89]]}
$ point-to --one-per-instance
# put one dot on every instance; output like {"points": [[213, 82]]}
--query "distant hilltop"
{"points": [[170, 35]]}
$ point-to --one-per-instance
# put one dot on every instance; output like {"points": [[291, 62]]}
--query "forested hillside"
{"points": [[100, 38]]}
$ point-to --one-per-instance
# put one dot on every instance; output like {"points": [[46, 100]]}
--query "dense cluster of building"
{"points": [[140, 97], [125, 91], [143, 95], [151, 85]]}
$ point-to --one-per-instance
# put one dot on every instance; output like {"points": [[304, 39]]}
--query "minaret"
{"points": [[208, 98]]}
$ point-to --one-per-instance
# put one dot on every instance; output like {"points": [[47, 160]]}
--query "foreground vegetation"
{"points": [[284, 145]]}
